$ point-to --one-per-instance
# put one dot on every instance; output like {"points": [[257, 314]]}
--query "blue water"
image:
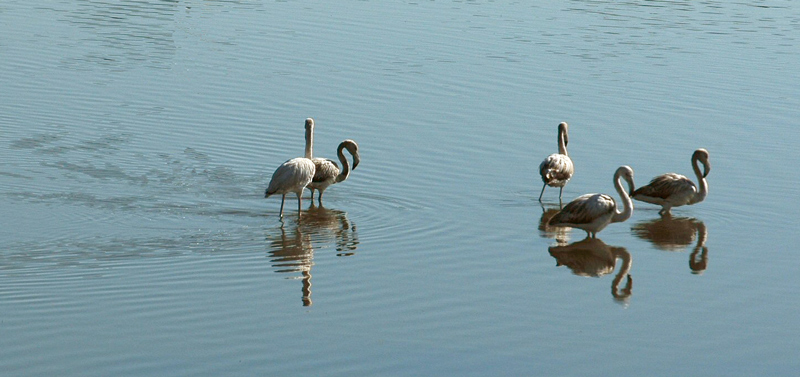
{"points": [[138, 138]]}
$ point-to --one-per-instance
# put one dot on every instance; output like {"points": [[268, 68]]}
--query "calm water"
{"points": [[138, 137]]}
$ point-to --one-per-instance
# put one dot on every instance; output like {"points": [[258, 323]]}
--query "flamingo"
{"points": [[557, 168], [295, 174], [327, 171], [593, 212], [674, 190]]}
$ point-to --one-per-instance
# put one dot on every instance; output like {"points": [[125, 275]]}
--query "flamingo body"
{"points": [[667, 189], [557, 169], [590, 212], [593, 212]]}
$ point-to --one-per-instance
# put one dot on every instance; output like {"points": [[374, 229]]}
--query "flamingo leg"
{"points": [[283, 198], [320, 197], [560, 190], [542, 193], [299, 202]]}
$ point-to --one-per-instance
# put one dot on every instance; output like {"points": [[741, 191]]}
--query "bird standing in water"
{"points": [[557, 169], [593, 212], [674, 190], [327, 171], [295, 174]]}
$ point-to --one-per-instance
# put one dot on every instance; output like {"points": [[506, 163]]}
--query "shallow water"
{"points": [[138, 137]]}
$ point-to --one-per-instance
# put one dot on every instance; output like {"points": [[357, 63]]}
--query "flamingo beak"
{"points": [[354, 151]]}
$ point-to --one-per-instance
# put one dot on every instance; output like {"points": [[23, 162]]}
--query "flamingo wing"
{"points": [[585, 209], [291, 176], [665, 186], [325, 169]]}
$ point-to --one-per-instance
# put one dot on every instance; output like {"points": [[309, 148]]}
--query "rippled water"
{"points": [[138, 137]]}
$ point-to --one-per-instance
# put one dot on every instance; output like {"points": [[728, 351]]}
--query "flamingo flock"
{"points": [[589, 212], [593, 212]]}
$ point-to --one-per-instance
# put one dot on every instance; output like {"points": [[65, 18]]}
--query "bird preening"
{"points": [[557, 169], [315, 173]]}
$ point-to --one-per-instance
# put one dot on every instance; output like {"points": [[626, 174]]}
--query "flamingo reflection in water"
{"points": [[677, 234], [591, 257], [294, 250], [335, 225], [559, 233]]}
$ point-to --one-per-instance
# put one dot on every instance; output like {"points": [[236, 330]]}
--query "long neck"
{"points": [[702, 192], [309, 141], [345, 165], [626, 201], [562, 143]]}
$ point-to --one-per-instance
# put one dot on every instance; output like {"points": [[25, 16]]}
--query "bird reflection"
{"points": [[593, 258], [293, 251], [333, 222], [559, 233], [677, 234]]}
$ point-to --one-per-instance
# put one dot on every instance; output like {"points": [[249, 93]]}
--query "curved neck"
{"points": [[562, 142], [702, 192], [309, 141], [626, 200], [345, 165]]}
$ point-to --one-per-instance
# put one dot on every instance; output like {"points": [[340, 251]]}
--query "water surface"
{"points": [[138, 137]]}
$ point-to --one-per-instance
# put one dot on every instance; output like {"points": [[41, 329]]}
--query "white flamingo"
{"points": [[327, 171], [294, 175], [593, 212], [674, 190], [557, 169]]}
